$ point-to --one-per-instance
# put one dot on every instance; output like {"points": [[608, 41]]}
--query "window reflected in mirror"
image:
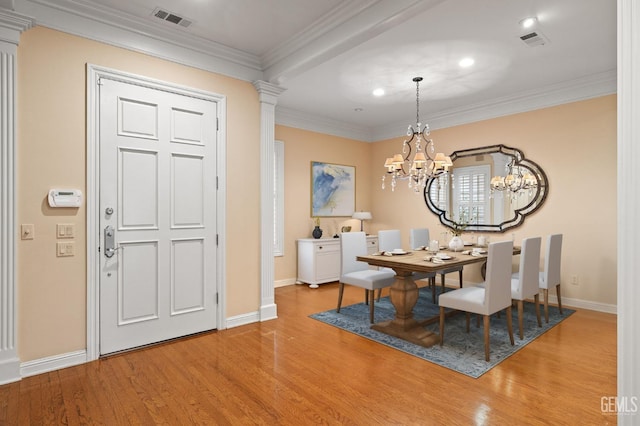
{"points": [[488, 189]]}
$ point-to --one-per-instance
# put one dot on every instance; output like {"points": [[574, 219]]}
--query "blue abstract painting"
{"points": [[333, 189]]}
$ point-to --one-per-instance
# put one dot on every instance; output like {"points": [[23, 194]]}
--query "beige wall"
{"points": [[51, 152], [300, 148], [575, 144]]}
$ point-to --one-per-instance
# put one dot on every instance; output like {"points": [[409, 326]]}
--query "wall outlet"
{"points": [[574, 280]]}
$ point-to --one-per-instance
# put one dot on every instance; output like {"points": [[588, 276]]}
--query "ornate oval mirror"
{"points": [[488, 189]]}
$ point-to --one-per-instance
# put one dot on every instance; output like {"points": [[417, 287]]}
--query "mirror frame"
{"points": [[520, 214]]}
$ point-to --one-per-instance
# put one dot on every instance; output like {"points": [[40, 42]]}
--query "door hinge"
{"points": [[99, 81], [217, 124], [216, 240], [217, 299], [216, 183]]}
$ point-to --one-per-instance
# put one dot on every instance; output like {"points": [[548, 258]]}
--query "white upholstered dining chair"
{"points": [[356, 273], [524, 283], [391, 239], [420, 237], [488, 299], [550, 277]]}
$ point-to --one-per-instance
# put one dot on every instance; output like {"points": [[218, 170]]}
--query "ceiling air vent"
{"points": [[171, 17], [534, 38]]}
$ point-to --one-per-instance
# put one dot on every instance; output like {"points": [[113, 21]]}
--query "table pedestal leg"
{"points": [[404, 295]]}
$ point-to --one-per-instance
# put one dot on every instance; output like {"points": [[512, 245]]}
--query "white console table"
{"points": [[319, 259]]}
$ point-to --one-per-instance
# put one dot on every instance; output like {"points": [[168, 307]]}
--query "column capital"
{"points": [[12, 24], [269, 92]]}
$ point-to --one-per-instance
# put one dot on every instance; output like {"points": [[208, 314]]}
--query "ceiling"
{"points": [[330, 55]]}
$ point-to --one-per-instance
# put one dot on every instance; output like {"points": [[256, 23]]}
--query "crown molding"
{"points": [[300, 120], [104, 25]]}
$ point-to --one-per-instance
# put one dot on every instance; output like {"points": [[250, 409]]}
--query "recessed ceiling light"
{"points": [[528, 22], [378, 92], [358, 109], [466, 62]]}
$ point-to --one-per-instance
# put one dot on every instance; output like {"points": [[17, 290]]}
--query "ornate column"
{"points": [[268, 99], [11, 25]]}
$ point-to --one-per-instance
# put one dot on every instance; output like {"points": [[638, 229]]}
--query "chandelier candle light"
{"points": [[425, 164], [515, 182]]}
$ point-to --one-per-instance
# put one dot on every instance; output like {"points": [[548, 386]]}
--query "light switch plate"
{"points": [[27, 231], [65, 249], [65, 230]]}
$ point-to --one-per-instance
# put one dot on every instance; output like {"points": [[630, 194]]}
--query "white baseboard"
{"points": [[243, 319], [585, 304], [284, 283], [568, 302], [56, 362]]}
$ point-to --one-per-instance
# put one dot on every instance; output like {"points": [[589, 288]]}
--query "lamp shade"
{"points": [[362, 216]]}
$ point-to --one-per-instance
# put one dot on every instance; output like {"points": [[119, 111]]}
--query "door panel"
{"points": [[138, 282], [157, 174], [138, 188], [187, 191], [187, 278]]}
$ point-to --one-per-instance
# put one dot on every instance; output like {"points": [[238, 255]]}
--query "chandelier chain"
{"points": [[418, 104]]}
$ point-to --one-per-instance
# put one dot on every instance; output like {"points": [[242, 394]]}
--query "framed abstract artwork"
{"points": [[333, 189]]}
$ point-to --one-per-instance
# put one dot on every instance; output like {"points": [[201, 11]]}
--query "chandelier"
{"points": [[515, 182], [425, 163]]}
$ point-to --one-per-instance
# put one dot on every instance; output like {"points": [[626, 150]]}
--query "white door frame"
{"points": [[94, 73]]}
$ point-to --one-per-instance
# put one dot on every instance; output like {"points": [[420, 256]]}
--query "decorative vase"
{"points": [[456, 243], [317, 232]]}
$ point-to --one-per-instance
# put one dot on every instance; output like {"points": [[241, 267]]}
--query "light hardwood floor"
{"points": [[298, 371]]}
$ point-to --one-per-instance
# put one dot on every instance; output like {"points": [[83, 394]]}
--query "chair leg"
{"points": [[510, 325], [442, 282], [371, 306], [468, 320], [432, 283], [460, 275], [340, 291], [366, 297], [379, 294], [441, 325], [520, 315], [545, 292], [559, 298], [486, 337], [536, 300]]}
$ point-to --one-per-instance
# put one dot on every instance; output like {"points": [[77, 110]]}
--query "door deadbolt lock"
{"points": [[108, 211], [109, 242]]}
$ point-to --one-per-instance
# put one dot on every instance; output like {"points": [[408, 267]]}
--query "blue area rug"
{"points": [[462, 352]]}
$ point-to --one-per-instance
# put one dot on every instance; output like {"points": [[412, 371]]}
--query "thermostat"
{"points": [[65, 198]]}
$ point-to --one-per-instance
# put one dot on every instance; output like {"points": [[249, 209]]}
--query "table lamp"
{"points": [[362, 216]]}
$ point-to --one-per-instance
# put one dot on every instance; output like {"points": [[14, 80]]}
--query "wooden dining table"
{"points": [[404, 291]]}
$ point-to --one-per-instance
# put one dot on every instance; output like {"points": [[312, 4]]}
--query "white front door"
{"points": [[157, 215]]}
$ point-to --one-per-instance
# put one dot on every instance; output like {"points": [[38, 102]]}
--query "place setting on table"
{"points": [[437, 254]]}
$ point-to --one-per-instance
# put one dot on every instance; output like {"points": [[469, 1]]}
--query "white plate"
{"points": [[398, 252], [443, 256]]}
